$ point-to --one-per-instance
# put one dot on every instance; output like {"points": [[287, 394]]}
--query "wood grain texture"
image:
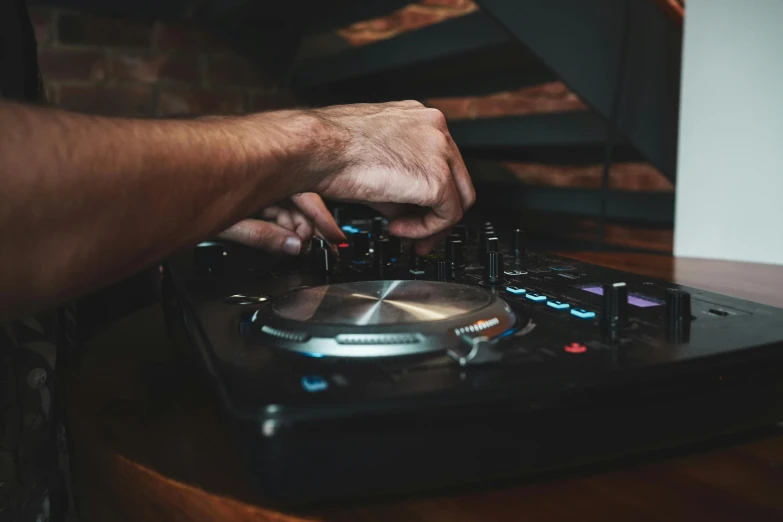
{"points": [[150, 445]]}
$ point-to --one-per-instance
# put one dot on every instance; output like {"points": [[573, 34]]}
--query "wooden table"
{"points": [[149, 445]]}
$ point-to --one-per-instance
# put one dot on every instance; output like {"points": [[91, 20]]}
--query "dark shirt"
{"points": [[32, 439], [19, 76]]}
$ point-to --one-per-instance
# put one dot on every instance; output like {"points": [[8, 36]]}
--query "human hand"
{"points": [[286, 226], [400, 159]]}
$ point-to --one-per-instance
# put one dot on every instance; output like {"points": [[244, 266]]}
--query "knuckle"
{"points": [[437, 118], [438, 141]]}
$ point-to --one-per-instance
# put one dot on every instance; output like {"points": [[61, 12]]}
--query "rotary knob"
{"points": [[443, 270], [382, 256], [678, 316], [317, 243], [361, 245], [395, 248], [377, 227], [493, 268], [493, 244], [322, 261], [461, 231], [209, 256], [519, 242], [482, 246], [615, 312], [455, 253], [450, 239]]}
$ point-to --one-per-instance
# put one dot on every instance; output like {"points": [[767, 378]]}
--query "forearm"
{"points": [[86, 200]]}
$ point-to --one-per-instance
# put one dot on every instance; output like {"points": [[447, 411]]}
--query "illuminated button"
{"points": [[416, 272], [515, 272], [561, 268], [575, 348], [515, 290], [350, 229], [314, 383], [343, 245], [581, 313], [536, 297], [558, 305]]}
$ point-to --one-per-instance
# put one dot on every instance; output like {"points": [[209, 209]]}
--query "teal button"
{"points": [[581, 313], [558, 305]]}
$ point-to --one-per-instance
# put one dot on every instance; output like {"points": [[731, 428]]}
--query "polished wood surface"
{"points": [[149, 444]]}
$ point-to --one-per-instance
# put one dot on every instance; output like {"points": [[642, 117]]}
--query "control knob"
{"points": [[322, 261], [493, 244], [377, 227], [493, 268], [518, 242], [381, 254], [361, 245], [615, 311], [455, 253], [209, 257], [461, 231], [678, 316]]}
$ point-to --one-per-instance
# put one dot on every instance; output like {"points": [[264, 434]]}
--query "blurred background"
{"points": [[533, 90]]}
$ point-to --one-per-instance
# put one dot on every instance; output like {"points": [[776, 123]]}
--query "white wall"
{"points": [[730, 157]]}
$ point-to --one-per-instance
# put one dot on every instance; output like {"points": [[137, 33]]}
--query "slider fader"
{"points": [[361, 368]]}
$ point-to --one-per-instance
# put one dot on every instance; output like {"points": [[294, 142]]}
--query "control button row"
{"points": [[581, 313]]}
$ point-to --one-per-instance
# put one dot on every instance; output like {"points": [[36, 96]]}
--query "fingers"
{"points": [[264, 235], [444, 210], [461, 176], [313, 207]]}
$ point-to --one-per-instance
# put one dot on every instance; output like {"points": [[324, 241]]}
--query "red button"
{"points": [[343, 245], [575, 348]]}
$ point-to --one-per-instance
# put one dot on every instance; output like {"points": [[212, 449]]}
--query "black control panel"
{"points": [[363, 368]]}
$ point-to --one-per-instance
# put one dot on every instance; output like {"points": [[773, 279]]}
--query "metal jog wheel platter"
{"points": [[379, 318]]}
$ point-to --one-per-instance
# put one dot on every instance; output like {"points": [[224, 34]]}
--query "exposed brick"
{"points": [[234, 71], [622, 176], [181, 102], [150, 68], [66, 64], [77, 29], [408, 18], [113, 101], [451, 4], [42, 25], [551, 97], [189, 38], [273, 101]]}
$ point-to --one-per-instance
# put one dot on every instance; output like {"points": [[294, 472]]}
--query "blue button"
{"points": [[314, 383], [558, 305], [581, 313], [561, 268], [536, 297], [515, 290], [350, 229]]}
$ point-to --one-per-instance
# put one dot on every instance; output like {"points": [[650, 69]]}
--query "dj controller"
{"points": [[362, 369]]}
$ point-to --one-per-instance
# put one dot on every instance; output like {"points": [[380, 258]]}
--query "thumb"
{"points": [[263, 235]]}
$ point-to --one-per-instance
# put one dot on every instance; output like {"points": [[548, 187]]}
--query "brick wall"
{"points": [[138, 68]]}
